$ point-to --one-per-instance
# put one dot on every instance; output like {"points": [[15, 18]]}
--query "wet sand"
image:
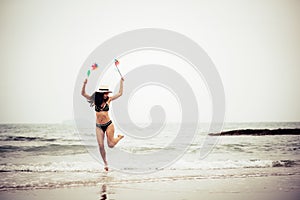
{"points": [[269, 187]]}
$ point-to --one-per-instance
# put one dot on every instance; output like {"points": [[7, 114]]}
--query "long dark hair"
{"points": [[97, 99]]}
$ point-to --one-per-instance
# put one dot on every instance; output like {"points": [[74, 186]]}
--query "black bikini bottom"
{"points": [[104, 126]]}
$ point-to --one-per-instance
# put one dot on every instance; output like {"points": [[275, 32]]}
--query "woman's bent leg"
{"points": [[111, 140]]}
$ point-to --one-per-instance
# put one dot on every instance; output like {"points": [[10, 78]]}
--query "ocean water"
{"points": [[37, 156]]}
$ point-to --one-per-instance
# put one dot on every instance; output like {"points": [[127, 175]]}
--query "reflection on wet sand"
{"points": [[103, 192]]}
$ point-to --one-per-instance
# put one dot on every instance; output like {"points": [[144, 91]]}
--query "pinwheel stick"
{"points": [[116, 64], [119, 72]]}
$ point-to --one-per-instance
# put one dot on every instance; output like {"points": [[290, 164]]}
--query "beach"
{"points": [[50, 161], [150, 100], [274, 187]]}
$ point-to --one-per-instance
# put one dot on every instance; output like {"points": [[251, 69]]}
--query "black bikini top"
{"points": [[99, 108]]}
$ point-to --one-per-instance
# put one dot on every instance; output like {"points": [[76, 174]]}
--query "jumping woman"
{"points": [[101, 100]]}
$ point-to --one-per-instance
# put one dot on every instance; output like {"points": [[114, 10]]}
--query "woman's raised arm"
{"points": [[120, 90], [83, 93]]}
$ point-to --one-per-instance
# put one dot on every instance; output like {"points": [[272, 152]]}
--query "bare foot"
{"points": [[106, 168], [120, 136]]}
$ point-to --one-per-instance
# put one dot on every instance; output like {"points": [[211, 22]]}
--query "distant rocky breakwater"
{"points": [[259, 132]]}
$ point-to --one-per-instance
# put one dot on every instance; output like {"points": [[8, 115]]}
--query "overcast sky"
{"points": [[254, 45]]}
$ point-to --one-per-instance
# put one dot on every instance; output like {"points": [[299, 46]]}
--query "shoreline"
{"points": [[270, 187]]}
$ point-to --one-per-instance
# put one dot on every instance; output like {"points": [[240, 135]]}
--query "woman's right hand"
{"points": [[85, 81]]}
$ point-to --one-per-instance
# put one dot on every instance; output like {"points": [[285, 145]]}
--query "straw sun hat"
{"points": [[104, 89]]}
